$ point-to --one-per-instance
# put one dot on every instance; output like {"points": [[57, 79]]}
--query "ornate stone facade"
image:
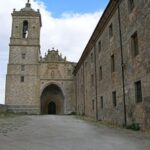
{"points": [[35, 84]]}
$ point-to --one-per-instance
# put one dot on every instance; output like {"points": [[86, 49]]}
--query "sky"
{"points": [[66, 25]]}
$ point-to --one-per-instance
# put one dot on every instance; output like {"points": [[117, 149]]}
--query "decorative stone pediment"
{"points": [[53, 56]]}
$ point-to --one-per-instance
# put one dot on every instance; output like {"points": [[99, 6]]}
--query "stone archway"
{"points": [[52, 100]]}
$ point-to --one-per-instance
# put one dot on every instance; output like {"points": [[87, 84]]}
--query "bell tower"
{"points": [[22, 82]]}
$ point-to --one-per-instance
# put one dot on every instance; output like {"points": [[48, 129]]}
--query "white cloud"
{"points": [[68, 33]]}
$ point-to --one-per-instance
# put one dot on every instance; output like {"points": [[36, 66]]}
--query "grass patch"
{"points": [[9, 114]]}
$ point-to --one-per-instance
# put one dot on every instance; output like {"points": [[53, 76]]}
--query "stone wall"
{"points": [[111, 37], [3, 108]]}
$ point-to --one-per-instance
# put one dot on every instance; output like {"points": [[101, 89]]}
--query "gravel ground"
{"points": [[66, 133]]}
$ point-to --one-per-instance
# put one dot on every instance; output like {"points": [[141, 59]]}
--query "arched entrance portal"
{"points": [[52, 100]]}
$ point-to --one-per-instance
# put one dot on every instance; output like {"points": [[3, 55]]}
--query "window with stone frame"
{"points": [[134, 44], [131, 5], [114, 98], [138, 92], [111, 31], [22, 79], [100, 73], [102, 103], [112, 63]]}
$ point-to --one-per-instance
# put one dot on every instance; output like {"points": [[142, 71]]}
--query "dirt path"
{"points": [[65, 133]]}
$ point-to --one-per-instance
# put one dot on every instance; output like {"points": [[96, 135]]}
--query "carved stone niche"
{"points": [[52, 74]]}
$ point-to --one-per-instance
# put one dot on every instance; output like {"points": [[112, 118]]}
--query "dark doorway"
{"points": [[52, 108]]}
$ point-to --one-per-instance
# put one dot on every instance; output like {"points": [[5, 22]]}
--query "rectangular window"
{"points": [[22, 67], [92, 80], [91, 57], [134, 44], [23, 55], [112, 63], [114, 98], [85, 64], [138, 92], [93, 104], [102, 103], [22, 79], [130, 5], [99, 46], [100, 73], [110, 31]]}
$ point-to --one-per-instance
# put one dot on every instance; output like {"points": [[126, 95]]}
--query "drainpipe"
{"points": [[122, 66], [95, 81]]}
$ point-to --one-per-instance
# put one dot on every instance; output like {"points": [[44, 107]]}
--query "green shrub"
{"points": [[133, 126]]}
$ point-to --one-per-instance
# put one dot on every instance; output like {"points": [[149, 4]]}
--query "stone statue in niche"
{"points": [[52, 74]]}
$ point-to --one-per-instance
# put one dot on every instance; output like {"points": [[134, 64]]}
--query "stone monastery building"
{"points": [[111, 81]]}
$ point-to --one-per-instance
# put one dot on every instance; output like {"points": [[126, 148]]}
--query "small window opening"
{"points": [[110, 31], [99, 46], [92, 80], [93, 104], [22, 79], [102, 103], [138, 92], [114, 98], [100, 73], [25, 29], [134, 44], [91, 57], [112, 63]]}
